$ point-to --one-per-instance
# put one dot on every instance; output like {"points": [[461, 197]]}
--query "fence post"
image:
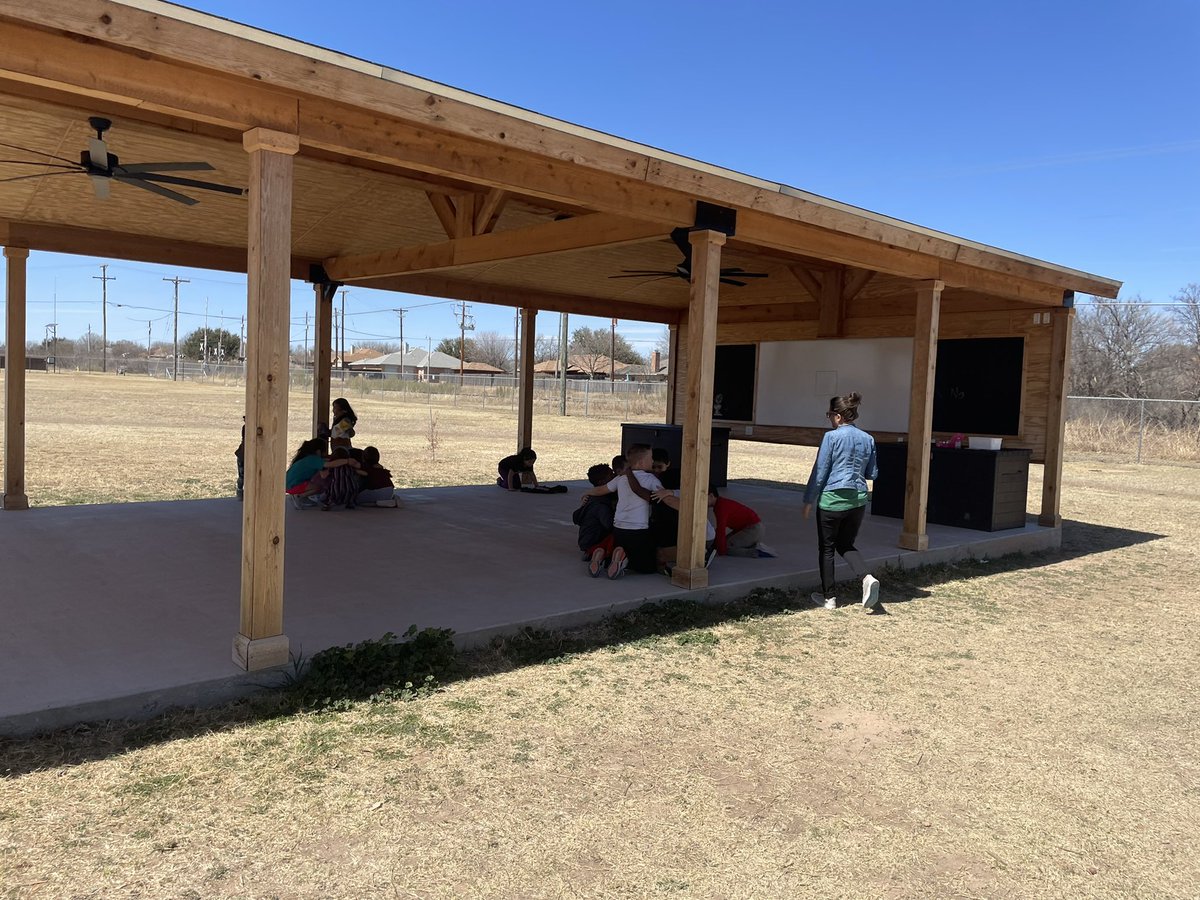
{"points": [[587, 392], [1141, 426]]}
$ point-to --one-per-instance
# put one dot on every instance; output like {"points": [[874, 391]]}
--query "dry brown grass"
{"points": [[1014, 728], [103, 439]]}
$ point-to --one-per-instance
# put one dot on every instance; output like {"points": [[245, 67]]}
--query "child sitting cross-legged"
{"points": [[376, 488]]}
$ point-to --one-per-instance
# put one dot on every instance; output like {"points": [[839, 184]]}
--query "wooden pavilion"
{"points": [[357, 173]]}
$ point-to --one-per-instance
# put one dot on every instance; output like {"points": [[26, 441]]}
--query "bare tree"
{"points": [[1118, 349], [1187, 322], [545, 346], [492, 348]]}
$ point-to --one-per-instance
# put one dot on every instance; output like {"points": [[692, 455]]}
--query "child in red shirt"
{"points": [[743, 524]]}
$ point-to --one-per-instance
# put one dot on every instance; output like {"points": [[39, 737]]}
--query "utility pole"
{"points": [[400, 313], [612, 360], [562, 364], [148, 323], [306, 340], [205, 342], [342, 346], [464, 313], [336, 331], [177, 281], [104, 278], [242, 339]]}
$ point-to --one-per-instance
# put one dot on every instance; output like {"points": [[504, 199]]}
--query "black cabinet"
{"points": [[670, 437], [981, 489]]}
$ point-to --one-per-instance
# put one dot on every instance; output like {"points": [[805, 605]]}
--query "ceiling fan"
{"points": [[103, 168], [679, 237]]}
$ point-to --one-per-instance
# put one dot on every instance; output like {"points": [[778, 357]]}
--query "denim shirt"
{"points": [[846, 460]]}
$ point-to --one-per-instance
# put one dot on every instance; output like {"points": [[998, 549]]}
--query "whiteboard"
{"points": [[797, 378]]}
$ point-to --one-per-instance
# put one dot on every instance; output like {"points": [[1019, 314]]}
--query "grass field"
{"points": [[1023, 727]]}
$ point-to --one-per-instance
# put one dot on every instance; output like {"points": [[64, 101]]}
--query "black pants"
{"points": [[638, 546], [836, 532]]}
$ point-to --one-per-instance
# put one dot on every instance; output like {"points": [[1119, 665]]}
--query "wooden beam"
{"points": [[260, 642], [489, 210], [16, 259], [545, 238], [807, 280], [323, 357], [920, 417], [507, 295], [464, 217], [1056, 419], [135, 247], [855, 281], [767, 312], [443, 208], [689, 570], [832, 308], [525, 391]]}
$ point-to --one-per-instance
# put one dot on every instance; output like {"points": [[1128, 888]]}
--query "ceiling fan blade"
{"points": [[101, 185], [98, 151], [156, 189], [37, 175], [44, 165], [731, 281], [741, 273], [634, 272], [38, 153], [187, 182], [138, 168]]}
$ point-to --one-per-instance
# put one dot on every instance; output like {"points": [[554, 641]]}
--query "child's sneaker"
{"points": [[616, 568], [596, 563], [820, 599], [870, 595]]}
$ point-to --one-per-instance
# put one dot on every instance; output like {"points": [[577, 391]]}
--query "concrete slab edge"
{"points": [[214, 692]]}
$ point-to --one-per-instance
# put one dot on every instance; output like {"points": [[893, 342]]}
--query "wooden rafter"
{"points": [[489, 209], [584, 232], [443, 208], [441, 285]]}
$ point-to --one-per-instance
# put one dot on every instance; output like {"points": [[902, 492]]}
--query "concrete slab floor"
{"points": [[126, 609]]}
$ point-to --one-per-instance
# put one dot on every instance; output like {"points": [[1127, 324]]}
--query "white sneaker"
{"points": [[870, 591], [820, 599]]}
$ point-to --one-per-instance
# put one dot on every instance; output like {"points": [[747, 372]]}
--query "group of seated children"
{"points": [[628, 520], [347, 477]]}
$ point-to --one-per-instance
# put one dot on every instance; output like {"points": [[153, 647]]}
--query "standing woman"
{"points": [[838, 485], [344, 420]]}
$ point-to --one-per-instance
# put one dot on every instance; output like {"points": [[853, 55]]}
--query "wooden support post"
{"points": [[525, 399], [672, 369], [1056, 417], [832, 310], [920, 416], [14, 380], [261, 642], [323, 357], [689, 571]]}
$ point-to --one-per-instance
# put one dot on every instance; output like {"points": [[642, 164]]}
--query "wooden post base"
{"points": [[914, 541], [689, 578], [1050, 521], [263, 653], [16, 501]]}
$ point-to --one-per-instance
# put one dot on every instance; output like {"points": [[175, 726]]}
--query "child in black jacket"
{"points": [[595, 521]]}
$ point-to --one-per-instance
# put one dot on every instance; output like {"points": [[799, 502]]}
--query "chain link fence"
{"points": [[601, 399], [1134, 428]]}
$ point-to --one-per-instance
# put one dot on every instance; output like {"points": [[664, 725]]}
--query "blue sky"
{"points": [[1068, 131]]}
